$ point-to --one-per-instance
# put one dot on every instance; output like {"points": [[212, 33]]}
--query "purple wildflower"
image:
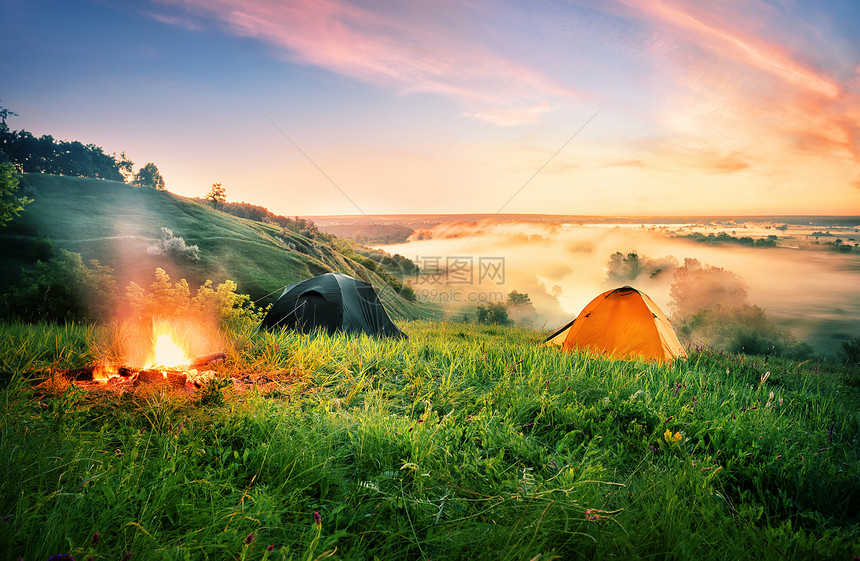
{"points": [[96, 538], [249, 538], [61, 557], [270, 548], [317, 518]]}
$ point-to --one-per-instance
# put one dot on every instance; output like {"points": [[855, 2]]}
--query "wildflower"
{"points": [[6, 518], [677, 389], [128, 556], [249, 538], [669, 437], [591, 515], [830, 434], [420, 420], [61, 557], [96, 538], [270, 548], [317, 518]]}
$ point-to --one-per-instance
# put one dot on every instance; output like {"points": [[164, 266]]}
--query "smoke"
{"points": [[562, 267]]}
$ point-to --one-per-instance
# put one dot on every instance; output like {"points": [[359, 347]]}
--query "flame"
{"points": [[165, 350], [104, 371]]}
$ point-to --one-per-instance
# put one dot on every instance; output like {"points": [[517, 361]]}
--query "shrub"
{"points": [[63, 288], [849, 353], [493, 314], [166, 299], [173, 245]]}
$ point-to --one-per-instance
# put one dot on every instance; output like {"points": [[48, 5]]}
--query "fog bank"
{"points": [[563, 266]]}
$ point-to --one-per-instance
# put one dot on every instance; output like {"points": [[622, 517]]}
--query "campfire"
{"points": [[167, 360]]}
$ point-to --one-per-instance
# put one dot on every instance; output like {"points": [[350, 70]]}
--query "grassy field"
{"points": [[461, 442], [116, 223]]}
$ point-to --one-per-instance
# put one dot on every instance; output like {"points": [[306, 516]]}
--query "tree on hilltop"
{"points": [[217, 195], [149, 176]]}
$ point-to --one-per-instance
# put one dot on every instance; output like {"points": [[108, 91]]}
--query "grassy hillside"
{"points": [[462, 442], [116, 223]]}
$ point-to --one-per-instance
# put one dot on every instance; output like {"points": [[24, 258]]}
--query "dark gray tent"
{"points": [[333, 302]]}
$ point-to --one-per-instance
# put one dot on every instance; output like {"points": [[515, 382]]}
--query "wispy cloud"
{"points": [[177, 20], [411, 47], [736, 80]]}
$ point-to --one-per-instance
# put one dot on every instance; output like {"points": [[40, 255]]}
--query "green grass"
{"points": [[461, 442]]}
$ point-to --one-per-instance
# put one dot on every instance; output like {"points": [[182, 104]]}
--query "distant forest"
{"points": [[724, 238], [257, 213]]}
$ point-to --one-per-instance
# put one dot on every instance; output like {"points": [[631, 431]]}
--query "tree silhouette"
{"points": [[217, 195], [149, 176]]}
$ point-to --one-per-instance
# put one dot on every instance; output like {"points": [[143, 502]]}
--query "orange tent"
{"points": [[621, 323]]}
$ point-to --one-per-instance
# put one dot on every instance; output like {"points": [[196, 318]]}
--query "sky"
{"points": [[326, 107]]}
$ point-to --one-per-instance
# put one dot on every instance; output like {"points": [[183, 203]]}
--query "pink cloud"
{"points": [[729, 40], [737, 71], [407, 47]]}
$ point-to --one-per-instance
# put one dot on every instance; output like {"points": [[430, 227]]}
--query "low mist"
{"points": [[814, 293]]}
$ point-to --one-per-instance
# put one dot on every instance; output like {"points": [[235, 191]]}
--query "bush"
{"points": [[173, 245], [743, 329], [166, 299], [849, 353], [493, 314], [61, 289]]}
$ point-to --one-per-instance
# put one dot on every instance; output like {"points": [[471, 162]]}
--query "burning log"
{"points": [[206, 360], [150, 377], [84, 374], [175, 378]]}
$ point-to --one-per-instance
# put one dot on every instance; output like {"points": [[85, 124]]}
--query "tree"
{"points": [[520, 307], [621, 268], [148, 176], [4, 114], [10, 205], [125, 167], [495, 313], [4, 132], [217, 195], [698, 286]]}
